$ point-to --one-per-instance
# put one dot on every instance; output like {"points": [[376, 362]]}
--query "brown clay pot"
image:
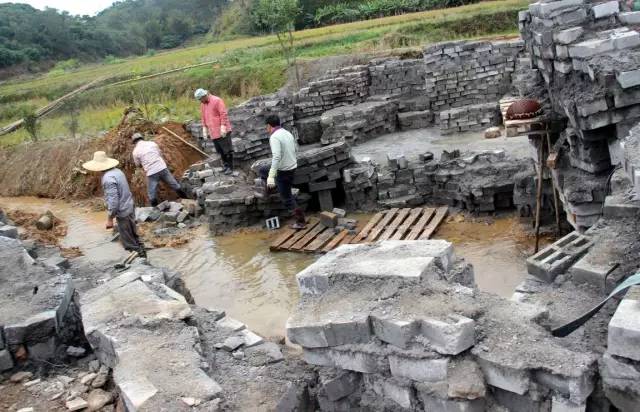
{"points": [[524, 109]]}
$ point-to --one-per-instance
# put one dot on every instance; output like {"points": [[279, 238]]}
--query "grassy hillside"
{"points": [[245, 67]]}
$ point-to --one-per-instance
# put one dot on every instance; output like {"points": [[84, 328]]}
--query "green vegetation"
{"points": [[245, 67]]}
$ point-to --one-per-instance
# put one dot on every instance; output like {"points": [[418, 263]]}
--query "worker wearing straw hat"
{"points": [[216, 124], [119, 200]]}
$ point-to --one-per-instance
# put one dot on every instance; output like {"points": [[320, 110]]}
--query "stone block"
{"points": [[605, 9], [250, 338], [232, 343], [433, 403], [364, 362], [9, 231], [624, 330], [576, 388], [515, 402], [395, 332], [35, 329], [552, 9], [629, 78], [328, 219], [585, 271], [626, 40], [630, 18], [388, 388], [6, 360], [419, 369], [590, 48], [43, 351], [617, 207], [339, 212], [509, 379], [340, 385], [451, 336], [232, 324], [559, 404], [568, 36]]}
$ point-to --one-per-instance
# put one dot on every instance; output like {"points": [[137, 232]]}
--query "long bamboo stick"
{"points": [[185, 142]]}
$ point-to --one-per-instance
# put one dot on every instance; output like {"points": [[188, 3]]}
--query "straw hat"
{"points": [[100, 163]]}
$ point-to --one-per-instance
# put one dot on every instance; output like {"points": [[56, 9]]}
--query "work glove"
{"points": [[223, 130], [205, 132], [271, 182]]}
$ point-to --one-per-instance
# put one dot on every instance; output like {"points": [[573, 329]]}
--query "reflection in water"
{"points": [[237, 273]]}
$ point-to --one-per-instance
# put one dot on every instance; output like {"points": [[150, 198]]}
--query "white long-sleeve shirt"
{"points": [[148, 155], [283, 151]]}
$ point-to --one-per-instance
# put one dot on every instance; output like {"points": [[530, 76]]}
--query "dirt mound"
{"points": [[53, 169]]}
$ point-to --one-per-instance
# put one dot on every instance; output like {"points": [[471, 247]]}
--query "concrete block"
{"points": [[587, 108], [450, 336], [605, 9], [9, 231], [339, 386], [558, 257], [624, 330], [341, 213], [6, 360], [568, 36], [421, 370], [509, 379], [631, 17], [617, 207], [229, 323], [395, 332], [585, 271]]}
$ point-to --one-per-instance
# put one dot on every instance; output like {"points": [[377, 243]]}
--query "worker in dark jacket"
{"points": [[119, 201]]}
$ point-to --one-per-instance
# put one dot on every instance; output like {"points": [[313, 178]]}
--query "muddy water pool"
{"points": [[238, 273]]}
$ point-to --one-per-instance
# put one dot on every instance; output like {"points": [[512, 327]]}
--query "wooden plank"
{"points": [[419, 227], [408, 223], [390, 230], [347, 240], [336, 241], [286, 234], [299, 235], [307, 238], [320, 240], [365, 231], [382, 225], [435, 222]]}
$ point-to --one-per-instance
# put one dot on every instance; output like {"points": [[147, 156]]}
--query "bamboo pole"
{"points": [[151, 76], [185, 142], [539, 193], [555, 192]]}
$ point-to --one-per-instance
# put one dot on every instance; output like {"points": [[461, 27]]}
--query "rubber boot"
{"points": [[181, 194], [154, 202], [301, 221]]}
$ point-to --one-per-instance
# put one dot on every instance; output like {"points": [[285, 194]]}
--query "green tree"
{"points": [[279, 17], [31, 124]]}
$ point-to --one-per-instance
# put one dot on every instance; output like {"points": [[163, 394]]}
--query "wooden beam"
{"points": [[390, 230], [365, 231], [435, 222], [336, 241], [407, 224], [382, 225]]}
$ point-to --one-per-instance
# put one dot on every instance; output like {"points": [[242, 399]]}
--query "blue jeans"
{"points": [[284, 182], [154, 180]]}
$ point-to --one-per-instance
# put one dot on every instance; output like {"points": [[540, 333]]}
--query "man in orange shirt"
{"points": [[216, 124]]}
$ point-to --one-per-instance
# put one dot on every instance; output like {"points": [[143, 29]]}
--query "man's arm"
{"points": [[276, 156], [205, 132], [136, 158], [225, 124], [111, 197]]}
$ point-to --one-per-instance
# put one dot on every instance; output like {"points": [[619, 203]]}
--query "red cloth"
{"points": [[214, 114]]}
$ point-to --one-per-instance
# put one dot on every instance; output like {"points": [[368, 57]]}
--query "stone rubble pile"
{"points": [[588, 56], [399, 325], [170, 214]]}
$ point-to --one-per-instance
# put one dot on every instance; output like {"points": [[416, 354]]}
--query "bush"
{"points": [[66, 65]]}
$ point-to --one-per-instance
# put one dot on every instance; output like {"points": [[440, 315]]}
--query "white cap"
{"points": [[200, 93]]}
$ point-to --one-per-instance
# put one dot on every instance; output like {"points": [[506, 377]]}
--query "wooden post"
{"points": [[539, 192], [553, 186]]}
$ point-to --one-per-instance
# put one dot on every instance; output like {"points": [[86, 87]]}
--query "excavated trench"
{"points": [[238, 273]]}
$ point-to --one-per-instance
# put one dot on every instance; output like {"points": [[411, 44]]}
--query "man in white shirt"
{"points": [[148, 155], [283, 167]]}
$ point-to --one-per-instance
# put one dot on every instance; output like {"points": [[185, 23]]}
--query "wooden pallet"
{"points": [[535, 126], [393, 224]]}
